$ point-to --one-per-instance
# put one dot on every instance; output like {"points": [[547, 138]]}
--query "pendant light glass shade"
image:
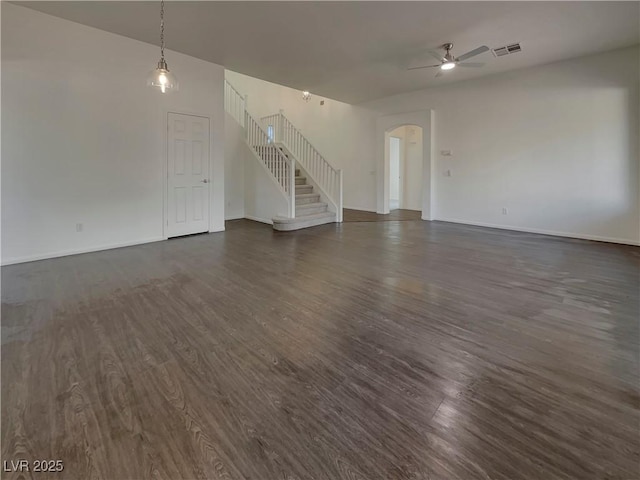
{"points": [[162, 79]]}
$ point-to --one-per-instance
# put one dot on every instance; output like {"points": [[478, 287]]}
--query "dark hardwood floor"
{"points": [[374, 350], [350, 215]]}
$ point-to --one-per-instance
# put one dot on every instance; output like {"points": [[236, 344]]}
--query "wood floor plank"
{"points": [[367, 350], [395, 215]]}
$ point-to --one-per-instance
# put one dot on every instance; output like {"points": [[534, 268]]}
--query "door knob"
{"points": [[205, 181]]}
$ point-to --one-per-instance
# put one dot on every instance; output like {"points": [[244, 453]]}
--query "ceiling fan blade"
{"points": [[436, 55], [471, 64], [424, 66], [473, 53]]}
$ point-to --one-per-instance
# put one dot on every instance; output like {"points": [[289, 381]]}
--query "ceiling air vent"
{"points": [[502, 51]]}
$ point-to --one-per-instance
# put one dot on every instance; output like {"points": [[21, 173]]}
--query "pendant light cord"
{"points": [[162, 30]]}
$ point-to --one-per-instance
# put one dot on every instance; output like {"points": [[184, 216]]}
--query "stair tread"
{"points": [[302, 218], [312, 205], [314, 208], [307, 195]]}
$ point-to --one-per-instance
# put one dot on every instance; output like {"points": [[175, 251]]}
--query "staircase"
{"points": [[310, 211], [311, 186]]}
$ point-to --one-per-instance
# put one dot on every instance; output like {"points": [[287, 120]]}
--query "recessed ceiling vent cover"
{"points": [[502, 51]]}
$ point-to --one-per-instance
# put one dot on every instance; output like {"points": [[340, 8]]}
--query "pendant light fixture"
{"points": [[161, 78]]}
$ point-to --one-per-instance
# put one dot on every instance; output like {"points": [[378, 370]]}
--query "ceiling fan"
{"points": [[448, 61]]}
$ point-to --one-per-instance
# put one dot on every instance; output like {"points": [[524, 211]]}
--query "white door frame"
{"points": [[384, 125], [165, 165]]}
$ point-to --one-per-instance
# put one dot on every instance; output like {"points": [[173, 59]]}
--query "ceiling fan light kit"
{"points": [[449, 62]]}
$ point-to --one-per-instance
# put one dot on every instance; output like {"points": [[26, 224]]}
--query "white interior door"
{"points": [[187, 175]]}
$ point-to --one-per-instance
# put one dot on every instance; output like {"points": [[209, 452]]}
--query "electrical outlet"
{"points": [[446, 153], [79, 227], [505, 211]]}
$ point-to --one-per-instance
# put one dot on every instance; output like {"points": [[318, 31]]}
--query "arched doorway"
{"points": [[404, 154], [399, 183]]}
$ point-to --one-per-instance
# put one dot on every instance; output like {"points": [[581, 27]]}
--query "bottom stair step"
{"points": [[284, 224], [310, 208]]}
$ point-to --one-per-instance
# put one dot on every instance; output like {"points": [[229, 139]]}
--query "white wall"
{"points": [[412, 174], [83, 137], [556, 145], [344, 134], [263, 199], [234, 171]]}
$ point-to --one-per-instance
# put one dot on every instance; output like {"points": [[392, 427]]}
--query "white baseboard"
{"points": [[77, 251], [258, 219], [554, 233], [64, 253], [234, 218]]}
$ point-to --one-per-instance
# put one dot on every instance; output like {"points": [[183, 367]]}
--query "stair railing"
{"points": [[328, 178], [234, 103], [281, 166], [273, 124]]}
